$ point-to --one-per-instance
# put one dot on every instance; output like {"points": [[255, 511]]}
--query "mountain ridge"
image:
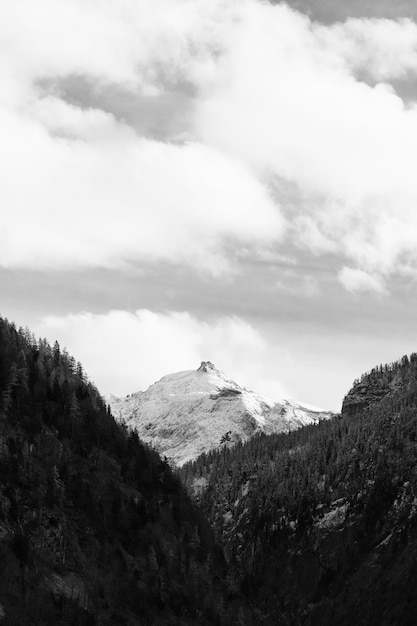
{"points": [[320, 525], [191, 412]]}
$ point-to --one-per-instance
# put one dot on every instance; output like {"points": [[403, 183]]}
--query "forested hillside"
{"points": [[94, 528], [320, 525]]}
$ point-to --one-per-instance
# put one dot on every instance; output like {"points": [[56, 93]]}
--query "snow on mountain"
{"points": [[190, 412]]}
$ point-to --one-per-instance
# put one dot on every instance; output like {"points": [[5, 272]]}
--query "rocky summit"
{"points": [[195, 411]]}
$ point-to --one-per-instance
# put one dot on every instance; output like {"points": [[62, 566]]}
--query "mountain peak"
{"points": [[190, 412], [207, 366]]}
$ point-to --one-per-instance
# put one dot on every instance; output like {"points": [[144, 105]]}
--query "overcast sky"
{"points": [[224, 180]]}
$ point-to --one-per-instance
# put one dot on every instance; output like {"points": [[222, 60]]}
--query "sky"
{"points": [[233, 181]]}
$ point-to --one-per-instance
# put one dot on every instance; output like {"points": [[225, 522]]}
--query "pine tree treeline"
{"points": [[319, 526], [94, 527], [303, 517]]}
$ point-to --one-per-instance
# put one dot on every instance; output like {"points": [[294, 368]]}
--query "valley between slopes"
{"points": [[274, 514]]}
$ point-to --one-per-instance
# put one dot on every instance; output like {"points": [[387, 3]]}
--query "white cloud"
{"points": [[81, 188], [360, 281], [378, 48], [121, 42], [125, 352], [273, 96], [109, 197], [286, 99]]}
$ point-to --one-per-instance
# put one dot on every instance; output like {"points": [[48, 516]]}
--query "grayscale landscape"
{"points": [[208, 263]]}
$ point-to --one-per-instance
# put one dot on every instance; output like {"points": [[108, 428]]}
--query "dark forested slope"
{"points": [[321, 525], [94, 528]]}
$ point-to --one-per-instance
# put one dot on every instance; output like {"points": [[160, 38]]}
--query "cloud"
{"points": [[292, 283], [288, 101], [270, 96], [380, 49], [125, 351], [81, 187], [360, 281], [108, 197]]}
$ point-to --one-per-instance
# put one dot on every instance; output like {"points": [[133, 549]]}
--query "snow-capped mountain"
{"points": [[190, 412]]}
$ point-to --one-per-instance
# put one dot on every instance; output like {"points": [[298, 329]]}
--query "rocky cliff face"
{"points": [[363, 394], [381, 382], [194, 411]]}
